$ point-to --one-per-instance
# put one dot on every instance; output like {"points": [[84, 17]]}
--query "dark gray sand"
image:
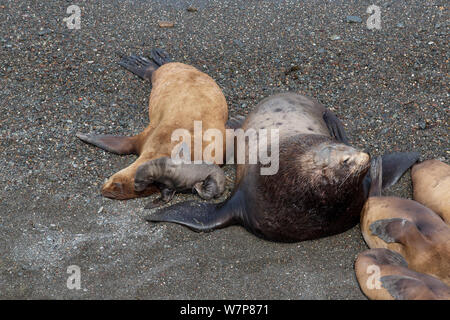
{"points": [[389, 87]]}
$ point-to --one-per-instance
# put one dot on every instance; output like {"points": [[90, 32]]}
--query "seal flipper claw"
{"points": [[115, 144], [140, 66], [395, 165], [160, 56], [335, 127]]}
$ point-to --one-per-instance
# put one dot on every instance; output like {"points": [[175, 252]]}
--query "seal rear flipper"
{"points": [[406, 288], [140, 66], [335, 127], [115, 144], [197, 216], [160, 56], [395, 165]]}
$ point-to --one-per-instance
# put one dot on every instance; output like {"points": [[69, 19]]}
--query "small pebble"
{"points": [[166, 24], [353, 19]]}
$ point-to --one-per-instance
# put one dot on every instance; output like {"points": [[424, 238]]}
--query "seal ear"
{"points": [[115, 144]]}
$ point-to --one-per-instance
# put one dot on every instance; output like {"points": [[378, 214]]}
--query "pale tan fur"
{"points": [[180, 95], [426, 250], [370, 262], [431, 184]]}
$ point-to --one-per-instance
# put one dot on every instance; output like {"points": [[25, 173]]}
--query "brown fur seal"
{"points": [[383, 274], [431, 184], [208, 180], [319, 189], [180, 95], [407, 227]]}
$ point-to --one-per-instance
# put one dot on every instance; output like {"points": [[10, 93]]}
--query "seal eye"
{"points": [[346, 160]]}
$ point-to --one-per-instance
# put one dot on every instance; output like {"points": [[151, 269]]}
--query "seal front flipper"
{"points": [[395, 165], [140, 66], [335, 127], [396, 230], [402, 287], [197, 216], [115, 144], [202, 216]]}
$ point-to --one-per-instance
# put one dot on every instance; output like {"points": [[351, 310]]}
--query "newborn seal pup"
{"points": [[431, 185], [180, 95], [319, 189], [407, 227], [383, 274], [208, 180]]}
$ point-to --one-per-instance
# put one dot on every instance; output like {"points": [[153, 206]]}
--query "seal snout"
{"points": [[360, 158]]}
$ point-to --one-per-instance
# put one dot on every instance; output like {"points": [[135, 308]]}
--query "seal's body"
{"points": [[409, 228], [317, 191], [431, 184], [383, 274], [180, 95], [208, 180], [405, 226]]}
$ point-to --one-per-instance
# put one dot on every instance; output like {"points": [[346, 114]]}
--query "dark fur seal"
{"points": [[208, 180], [319, 189], [407, 227], [180, 95]]}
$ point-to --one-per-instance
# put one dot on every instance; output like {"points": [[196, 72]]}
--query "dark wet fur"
{"points": [[282, 207]]}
